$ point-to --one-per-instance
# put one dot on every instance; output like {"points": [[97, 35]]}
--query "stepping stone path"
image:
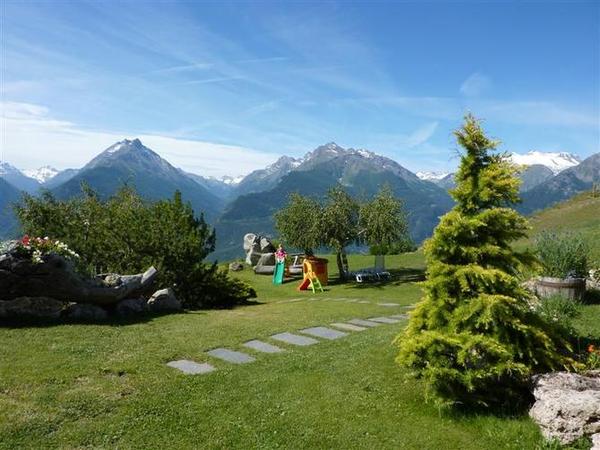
{"points": [[383, 320], [235, 357], [348, 326], [294, 339], [231, 356], [262, 346], [400, 316], [364, 301], [363, 323], [324, 332], [191, 367], [388, 304]]}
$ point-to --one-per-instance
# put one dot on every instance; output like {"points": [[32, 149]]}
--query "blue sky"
{"points": [[224, 88]]}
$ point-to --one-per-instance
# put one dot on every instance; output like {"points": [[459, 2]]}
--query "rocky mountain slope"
{"points": [[563, 186], [8, 222], [361, 172], [130, 162]]}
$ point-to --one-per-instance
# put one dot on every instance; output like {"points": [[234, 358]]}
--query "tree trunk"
{"points": [[340, 265]]}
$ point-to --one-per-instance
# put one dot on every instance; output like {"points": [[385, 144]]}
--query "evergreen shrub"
{"points": [[474, 339]]}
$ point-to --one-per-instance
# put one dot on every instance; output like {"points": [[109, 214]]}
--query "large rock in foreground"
{"points": [[567, 405], [57, 279]]}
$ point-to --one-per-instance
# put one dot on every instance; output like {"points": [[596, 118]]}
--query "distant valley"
{"points": [[239, 205]]}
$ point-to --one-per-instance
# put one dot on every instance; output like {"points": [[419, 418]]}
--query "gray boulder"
{"points": [[255, 246], [56, 278], [163, 300], [85, 312], [266, 246], [266, 264], [249, 240], [31, 307], [236, 266], [130, 307], [567, 405], [595, 442]]}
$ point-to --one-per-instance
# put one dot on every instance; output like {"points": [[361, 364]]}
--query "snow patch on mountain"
{"points": [[432, 176], [42, 174], [7, 169], [555, 161]]}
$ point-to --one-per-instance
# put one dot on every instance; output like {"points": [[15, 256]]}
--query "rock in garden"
{"points": [[131, 307], [596, 442], [31, 307], [56, 278], [236, 266], [249, 241], [567, 405], [85, 312], [163, 300]]}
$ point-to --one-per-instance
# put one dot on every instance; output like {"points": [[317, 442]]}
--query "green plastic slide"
{"points": [[278, 272]]}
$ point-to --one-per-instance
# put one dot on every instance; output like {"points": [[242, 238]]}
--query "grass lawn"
{"points": [[106, 386]]}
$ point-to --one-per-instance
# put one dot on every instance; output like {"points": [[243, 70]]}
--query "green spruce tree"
{"points": [[474, 339]]}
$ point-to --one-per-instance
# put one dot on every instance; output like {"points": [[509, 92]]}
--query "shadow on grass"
{"points": [[398, 277], [592, 297], [112, 320]]}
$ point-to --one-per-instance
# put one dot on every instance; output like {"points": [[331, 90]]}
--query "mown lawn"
{"points": [[107, 386]]}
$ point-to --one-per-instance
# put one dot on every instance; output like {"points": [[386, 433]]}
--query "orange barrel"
{"points": [[318, 266]]}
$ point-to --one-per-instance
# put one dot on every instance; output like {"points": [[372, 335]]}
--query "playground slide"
{"points": [[304, 285], [278, 273]]}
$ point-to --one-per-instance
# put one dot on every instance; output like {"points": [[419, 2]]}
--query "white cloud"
{"points": [[32, 138], [475, 85]]}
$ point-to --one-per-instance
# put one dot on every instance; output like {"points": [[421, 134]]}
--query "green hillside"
{"points": [[579, 214]]}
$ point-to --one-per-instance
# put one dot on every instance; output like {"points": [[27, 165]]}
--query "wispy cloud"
{"points": [[32, 137], [475, 85]]}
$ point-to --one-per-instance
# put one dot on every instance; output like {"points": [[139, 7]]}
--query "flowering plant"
{"points": [[593, 361], [37, 248]]}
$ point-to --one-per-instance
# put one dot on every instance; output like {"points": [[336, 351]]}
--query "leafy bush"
{"points": [[473, 339], [560, 311], [125, 234], [563, 255]]}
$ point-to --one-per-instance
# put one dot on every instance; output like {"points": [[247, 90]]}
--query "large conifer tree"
{"points": [[474, 338]]}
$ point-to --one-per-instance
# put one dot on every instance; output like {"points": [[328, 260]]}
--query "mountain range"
{"points": [[236, 206]]}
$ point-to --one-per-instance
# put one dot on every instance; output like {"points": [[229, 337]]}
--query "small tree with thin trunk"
{"points": [[383, 224], [298, 223], [474, 338], [339, 223]]}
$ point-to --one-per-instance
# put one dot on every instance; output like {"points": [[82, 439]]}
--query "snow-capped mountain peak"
{"points": [[7, 169], [232, 181], [555, 161], [42, 174], [432, 176]]}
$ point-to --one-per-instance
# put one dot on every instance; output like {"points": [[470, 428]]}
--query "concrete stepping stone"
{"points": [[399, 316], [294, 339], [352, 300], [231, 356], [383, 319], [363, 323], [348, 326], [191, 367], [324, 332], [388, 304], [262, 346], [364, 301]]}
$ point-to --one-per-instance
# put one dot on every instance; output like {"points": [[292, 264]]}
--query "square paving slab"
{"points": [[294, 339], [324, 332], [231, 356], [348, 326], [399, 316], [383, 319], [262, 346], [363, 323], [191, 367], [388, 304]]}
